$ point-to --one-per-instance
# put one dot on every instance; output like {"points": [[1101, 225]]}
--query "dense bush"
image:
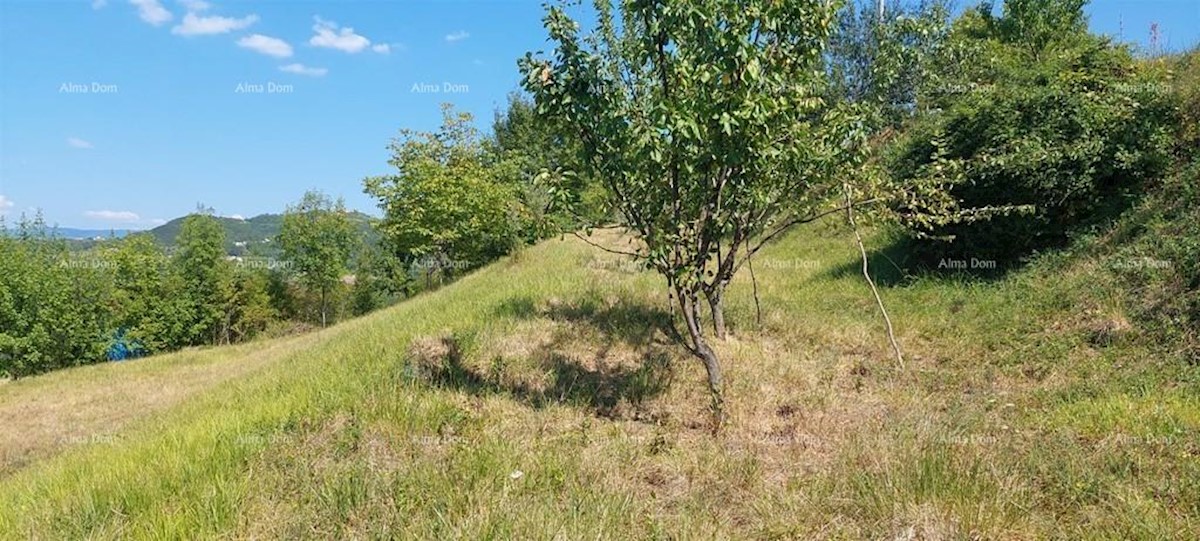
{"points": [[1030, 109], [541, 160], [1158, 245], [49, 302], [61, 308], [450, 206]]}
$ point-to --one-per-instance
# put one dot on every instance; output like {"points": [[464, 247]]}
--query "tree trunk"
{"points": [[716, 303], [322, 307], [688, 303]]}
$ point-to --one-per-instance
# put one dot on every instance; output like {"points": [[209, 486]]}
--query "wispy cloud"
{"points": [[301, 69], [195, 5], [152, 11], [330, 36], [266, 45], [98, 4], [381, 48], [199, 25], [5, 204], [457, 36], [112, 215], [75, 142]]}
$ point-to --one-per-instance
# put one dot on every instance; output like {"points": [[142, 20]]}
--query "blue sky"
{"points": [[324, 86]]}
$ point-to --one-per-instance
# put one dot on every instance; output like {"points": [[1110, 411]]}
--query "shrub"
{"points": [[1065, 123]]}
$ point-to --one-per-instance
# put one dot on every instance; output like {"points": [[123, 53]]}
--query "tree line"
{"points": [[132, 297]]}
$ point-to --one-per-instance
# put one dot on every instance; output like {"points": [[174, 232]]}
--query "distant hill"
{"points": [[72, 233], [252, 236]]}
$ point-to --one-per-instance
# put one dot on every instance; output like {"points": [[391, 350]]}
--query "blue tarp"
{"points": [[122, 348]]}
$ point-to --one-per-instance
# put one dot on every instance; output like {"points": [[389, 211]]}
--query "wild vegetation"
{"points": [[135, 297], [1017, 197]]}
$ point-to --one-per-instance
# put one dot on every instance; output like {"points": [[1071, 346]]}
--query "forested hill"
{"points": [[253, 236]]}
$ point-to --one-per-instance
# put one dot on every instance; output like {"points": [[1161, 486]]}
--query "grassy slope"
{"points": [[1029, 408]]}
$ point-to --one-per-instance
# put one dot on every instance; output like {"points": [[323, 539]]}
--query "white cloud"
{"points": [[112, 215], [237, 217], [75, 142], [266, 45], [152, 11], [382, 48], [157, 221], [98, 4], [457, 36], [198, 25], [195, 5], [301, 69], [343, 39], [5, 204]]}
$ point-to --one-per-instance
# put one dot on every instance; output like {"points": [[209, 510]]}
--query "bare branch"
{"points": [[791, 223], [605, 248], [866, 274]]}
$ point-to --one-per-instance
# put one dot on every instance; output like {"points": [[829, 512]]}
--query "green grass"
{"points": [[538, 398]]}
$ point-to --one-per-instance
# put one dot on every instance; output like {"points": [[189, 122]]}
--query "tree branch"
{"points": [[799, 221], [605, 248], [866, 274]]}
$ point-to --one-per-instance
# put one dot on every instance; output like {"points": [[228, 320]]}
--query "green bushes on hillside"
{"points": [[1186, 86], [131, 297], [451, 206], [1028, 108], [49, 302], [60, 308]]}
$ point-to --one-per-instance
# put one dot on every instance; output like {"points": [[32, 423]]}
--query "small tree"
{"points": [[444, 210], [878, 58], [139, 267], [317, 238], [203, 278], [705, 121]]}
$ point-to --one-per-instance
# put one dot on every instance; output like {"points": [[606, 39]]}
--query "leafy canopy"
{"points": [[704, 119], [444, 208]]}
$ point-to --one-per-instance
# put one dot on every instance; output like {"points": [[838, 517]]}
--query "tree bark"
{"points": [[688, 304], [716, 303]]}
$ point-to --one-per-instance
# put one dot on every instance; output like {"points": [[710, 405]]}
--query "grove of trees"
{"points": [[132, 297]]}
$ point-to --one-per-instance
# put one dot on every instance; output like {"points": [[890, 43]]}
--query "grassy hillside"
{"points": [[540, 397]]}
